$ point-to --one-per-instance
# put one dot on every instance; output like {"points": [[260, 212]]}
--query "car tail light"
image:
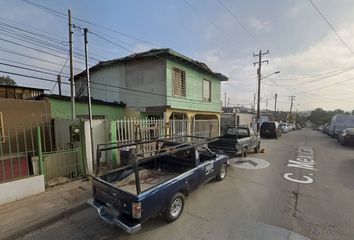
{"points": [[136, 210]]}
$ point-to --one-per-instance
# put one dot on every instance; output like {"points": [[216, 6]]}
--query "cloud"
{"points": [[295, 11], [325, 55], [259, 25]]}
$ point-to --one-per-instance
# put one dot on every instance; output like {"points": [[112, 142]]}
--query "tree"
{"points": [[6, 80]]}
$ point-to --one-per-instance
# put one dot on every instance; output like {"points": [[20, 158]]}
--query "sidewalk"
{"points": [[31, 213]]}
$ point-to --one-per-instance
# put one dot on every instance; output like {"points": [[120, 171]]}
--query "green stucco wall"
{"points": [[62, 109], [194, 88]]}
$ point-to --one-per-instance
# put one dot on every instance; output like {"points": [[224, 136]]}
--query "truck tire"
{"points": [[174, 208], [257, 148], [222, 173]]}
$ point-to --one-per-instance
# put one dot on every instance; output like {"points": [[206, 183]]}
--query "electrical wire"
{"points": [[28, 69], [29, 65], [211, 22], [239, 22], [32, 57], [331, 26], [59, 14], [105, 85]]}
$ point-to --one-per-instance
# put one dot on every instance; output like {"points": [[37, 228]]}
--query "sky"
{"points": [[315, 64]]}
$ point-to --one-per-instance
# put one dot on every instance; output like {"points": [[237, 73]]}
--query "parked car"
{"points": [[270, 129], [298, 127], [346, 137], [237, 141], [320, 128], [284, 127], [325, 128], [340, 122], [154, 185]]}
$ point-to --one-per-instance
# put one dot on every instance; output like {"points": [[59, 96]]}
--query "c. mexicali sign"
{"points": [[305, 160]]}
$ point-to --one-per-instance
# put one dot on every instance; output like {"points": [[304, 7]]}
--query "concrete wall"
{"points": [[245, 118], [148, 75], [194, 90], [62, 109], [110, 77], [100, 135], [14, 190]]}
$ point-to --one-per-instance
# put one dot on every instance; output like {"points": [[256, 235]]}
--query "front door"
{"points": [[206, 167]]}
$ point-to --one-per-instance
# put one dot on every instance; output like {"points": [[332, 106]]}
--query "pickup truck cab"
{"points": [[237, 141], [155, 185]]}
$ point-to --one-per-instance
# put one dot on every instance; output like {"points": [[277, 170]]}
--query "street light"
{"points": [[259, 95], [263, 77]]}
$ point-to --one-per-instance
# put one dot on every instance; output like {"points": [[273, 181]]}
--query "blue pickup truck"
{"points": [[155, 185]]}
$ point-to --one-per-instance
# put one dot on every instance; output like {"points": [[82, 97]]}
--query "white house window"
{"points": [[179, 82], [206, 90]]}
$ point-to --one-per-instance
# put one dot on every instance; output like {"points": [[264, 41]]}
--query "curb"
{"points": [[65, 213]]}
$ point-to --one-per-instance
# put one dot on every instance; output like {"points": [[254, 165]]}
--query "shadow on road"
{"points": [[345, 173]]}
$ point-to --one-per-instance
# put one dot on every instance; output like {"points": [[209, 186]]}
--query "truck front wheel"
{"points": [[222, 173], [174, 208]]}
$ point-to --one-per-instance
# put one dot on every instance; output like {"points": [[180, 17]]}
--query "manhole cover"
{"points": [[248, 163]]}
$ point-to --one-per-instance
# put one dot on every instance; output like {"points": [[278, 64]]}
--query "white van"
{"points": [[339, 123]]}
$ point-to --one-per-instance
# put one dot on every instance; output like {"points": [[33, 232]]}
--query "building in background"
{"points": [[159, 83], [17, 92]]}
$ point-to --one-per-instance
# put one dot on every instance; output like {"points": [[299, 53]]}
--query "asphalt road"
{"points": [[252, 203]]}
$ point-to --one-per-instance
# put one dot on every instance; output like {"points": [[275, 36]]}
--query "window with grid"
{"points": [[206, 90], [179, 82]]}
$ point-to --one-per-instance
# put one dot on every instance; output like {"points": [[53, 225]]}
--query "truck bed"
{"points": [[151, 173], [148, 179]]}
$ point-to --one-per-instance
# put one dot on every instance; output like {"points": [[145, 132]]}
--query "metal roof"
{"points": [[159, 53]]}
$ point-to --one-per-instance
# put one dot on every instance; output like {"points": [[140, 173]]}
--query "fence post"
{"points": [[115, 152], [40, 153]]}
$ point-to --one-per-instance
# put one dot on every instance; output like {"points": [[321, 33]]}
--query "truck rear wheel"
{"points": [[222, 173], [174, 208]]}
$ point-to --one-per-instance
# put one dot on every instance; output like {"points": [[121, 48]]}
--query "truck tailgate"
{"points": [[227, 145], [112, 196]]}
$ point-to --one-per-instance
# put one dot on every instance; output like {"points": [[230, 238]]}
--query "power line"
{"points": [[61, 15], [331, 26], [321, 78], [36, 49], [105, 85], [211, 22], [28, 69], [32, 57], [29, 65], [111, 42], [10, 29], [239, 22]]}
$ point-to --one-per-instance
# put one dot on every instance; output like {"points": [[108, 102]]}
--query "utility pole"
{"points": [[267, 105], [72, 83], [254, 102], [89, 95], [275, 104], [59, 84], [225, 99], [292, 98], [259, 73], [228, 102]]}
